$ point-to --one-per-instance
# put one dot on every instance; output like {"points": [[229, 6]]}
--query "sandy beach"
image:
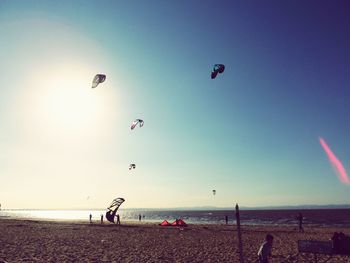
{"points": [[47, 241]]}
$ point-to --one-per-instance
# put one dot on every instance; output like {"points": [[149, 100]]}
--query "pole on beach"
{"points": [[240, 247]]}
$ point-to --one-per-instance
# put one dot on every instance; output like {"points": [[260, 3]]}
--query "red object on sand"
{"points": [[165, 223], [177, 222]]}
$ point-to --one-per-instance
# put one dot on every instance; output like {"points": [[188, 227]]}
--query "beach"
{"points": [[53, 241]]}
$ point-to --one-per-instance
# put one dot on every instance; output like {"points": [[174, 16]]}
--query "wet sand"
{"points": [[43, 241]]}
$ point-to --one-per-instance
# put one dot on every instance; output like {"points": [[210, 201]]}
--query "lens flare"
{"points": [[337, 165]]}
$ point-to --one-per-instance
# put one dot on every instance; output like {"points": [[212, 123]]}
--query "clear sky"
{"points": [[252, 134]]}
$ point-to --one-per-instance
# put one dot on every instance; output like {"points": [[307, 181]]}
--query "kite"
{"points": [[214, 192], [135, 122], [218, 68], [113, 208], [99, 78], [132, 166], [337, 165]]}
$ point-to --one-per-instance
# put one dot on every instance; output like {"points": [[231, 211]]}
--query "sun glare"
{"points": [[62, 99], [70, 103]]}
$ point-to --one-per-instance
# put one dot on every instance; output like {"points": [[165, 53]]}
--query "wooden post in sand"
{"points": [[240, 247]]}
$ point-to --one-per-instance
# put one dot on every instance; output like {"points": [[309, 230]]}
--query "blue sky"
{"points": [[251, 134]]}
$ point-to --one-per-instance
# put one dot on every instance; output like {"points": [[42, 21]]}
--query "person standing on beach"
{"points": [[101, 218], [90, 218], [118, 219], [265, 249], [300, 221], [140, 217], [226, 219]]}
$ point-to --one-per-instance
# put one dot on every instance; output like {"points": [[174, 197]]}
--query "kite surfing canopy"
{"points": [[165, 223], [177, 222], [214, 192], [132, 166], [217, 68], [113, 208], [99, 78], [135, 122]]}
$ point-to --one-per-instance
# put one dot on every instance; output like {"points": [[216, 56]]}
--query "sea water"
{"points": [[312, 217]]}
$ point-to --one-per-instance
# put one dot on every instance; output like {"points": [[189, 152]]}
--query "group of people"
{"points": [[117, 216]]}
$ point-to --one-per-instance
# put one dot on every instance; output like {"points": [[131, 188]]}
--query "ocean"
{"points": [[312, 217]]}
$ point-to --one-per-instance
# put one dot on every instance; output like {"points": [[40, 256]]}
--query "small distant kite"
{"points": [[99, 78], [337, 165], [113, 208], [132, 166], [135, 122], [214, 192], [218, 68]]}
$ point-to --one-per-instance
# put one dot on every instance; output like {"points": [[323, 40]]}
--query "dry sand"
{"points": [[42, 241]]}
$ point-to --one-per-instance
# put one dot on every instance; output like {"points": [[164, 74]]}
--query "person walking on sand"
{"points": [[118, 219], [140, 217], [300, 221], [90, 218], [101, 218], [265, 249]]}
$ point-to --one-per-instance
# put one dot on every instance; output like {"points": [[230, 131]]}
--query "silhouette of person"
{"points": [[101, 218], [90, 218], [118, 219], [300, 221], [226, 219], [265, 249], [140, 217]]}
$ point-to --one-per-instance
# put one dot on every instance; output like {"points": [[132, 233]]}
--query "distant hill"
{"points": [[289, 207], [206, 208], [286, 207]]}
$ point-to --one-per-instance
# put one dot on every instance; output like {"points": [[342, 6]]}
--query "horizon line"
{"points": [[305, 206]]}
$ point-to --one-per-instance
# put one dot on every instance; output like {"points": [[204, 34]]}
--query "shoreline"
{"points": [[312, 218], [76, 241], [157, 222]]}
